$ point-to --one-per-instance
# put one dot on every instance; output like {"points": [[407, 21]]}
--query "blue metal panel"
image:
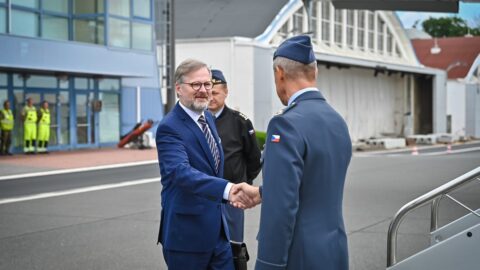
{"points": [[67, 56], [128, 103]]}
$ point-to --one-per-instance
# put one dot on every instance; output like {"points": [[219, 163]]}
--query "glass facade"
{"points": [[109, 84], [142, 8], [298, 22], [89, 30], [3, 79], [25, 3], [142, 36], [119, 33], [64, 109], [3, 88], [371, 30], [88, 6], [325, 22], [41, 81], [338, 27], [361, 30], [130, 21], [380, 25], [119, 7], [71, 101], [55, 27], [82, 110], [60, 6], [350, 28], [109, 124], [25, 23], [3, 20], [3, 95]]}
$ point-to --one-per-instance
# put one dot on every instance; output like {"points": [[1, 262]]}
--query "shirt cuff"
{"points": [[226, 192]]}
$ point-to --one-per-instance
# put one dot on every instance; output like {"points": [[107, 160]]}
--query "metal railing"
{"points": [[434, 197]]}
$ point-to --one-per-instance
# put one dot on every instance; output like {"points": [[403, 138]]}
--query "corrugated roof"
{"points": [[458, 53], [224, 18]]}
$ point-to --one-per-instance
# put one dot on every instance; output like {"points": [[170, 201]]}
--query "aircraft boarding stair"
{"points": [[455, 246]]}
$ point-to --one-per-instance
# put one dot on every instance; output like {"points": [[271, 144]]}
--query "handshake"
{"points": [[244, 196]]}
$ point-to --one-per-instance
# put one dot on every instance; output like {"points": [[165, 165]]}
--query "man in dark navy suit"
{"points": [[193, 231], [307, 153]]}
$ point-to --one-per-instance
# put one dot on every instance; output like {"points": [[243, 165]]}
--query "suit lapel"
{"points": [[188, 121]]}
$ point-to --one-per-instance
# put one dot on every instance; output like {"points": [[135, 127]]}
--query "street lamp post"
{"points": [[170, 56]]}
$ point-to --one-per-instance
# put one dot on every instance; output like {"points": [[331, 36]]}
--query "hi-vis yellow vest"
{"points": [[45, 117], [7, 120], [30, 115]]}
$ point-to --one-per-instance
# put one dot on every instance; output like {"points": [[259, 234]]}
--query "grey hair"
{"points": [[188, 66], [294, 69]]}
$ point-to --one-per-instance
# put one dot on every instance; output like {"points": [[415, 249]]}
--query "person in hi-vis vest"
{"points": [[43, 128], [29, 117], [6, 127]]}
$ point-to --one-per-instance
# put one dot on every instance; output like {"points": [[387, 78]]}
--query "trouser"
{"points": [[29, 137], [235, 220], [218, 259], [43, 137], [5, 141]]}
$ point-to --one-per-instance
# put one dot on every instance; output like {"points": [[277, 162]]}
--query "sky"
{"points": [[468, 11]]}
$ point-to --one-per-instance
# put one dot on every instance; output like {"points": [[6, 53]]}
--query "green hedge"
{"points": [[260, 138]]}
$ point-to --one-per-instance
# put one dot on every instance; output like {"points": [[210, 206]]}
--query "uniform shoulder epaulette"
{"points": [[240, 114]]}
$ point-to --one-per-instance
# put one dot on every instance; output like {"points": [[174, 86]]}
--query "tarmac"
{"points": [[64, 160]]}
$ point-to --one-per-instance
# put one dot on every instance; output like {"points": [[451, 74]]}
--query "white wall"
{"points": [[472, 123], [456, 106], [370, 105]]}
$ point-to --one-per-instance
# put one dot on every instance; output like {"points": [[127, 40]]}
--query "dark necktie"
{"points": [[210, 140]]}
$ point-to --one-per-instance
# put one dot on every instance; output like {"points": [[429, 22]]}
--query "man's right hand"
{"points": [[244, 196]]}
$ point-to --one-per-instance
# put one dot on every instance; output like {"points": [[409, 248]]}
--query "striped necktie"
{"points": [[211, 141]]}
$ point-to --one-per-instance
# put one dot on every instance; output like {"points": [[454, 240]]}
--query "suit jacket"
{"points": [[308, 150], [192, 192]]}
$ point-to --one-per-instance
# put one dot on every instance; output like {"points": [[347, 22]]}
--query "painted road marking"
{"points": [[78, 190], [85, 169]]}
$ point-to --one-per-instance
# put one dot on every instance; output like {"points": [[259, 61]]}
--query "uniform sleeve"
{"points": [[251, 152], [282, 174], [175, 167]]}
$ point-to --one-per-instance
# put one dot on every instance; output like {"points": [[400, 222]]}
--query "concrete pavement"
{"points": [[21, 164]]}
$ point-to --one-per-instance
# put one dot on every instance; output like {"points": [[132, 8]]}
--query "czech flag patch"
{"points": [[275, 138]]}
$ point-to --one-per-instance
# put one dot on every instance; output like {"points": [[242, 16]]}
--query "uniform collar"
{"points": [[298, 93], [217, 114]]}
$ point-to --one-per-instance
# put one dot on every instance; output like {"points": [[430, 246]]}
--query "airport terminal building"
{"points": [[94, 61]]}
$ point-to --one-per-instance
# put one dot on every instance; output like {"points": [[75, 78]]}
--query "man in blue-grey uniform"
{"points": [[308, 150]]}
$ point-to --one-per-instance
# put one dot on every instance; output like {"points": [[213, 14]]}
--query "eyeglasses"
{"points": [[197, 85]]}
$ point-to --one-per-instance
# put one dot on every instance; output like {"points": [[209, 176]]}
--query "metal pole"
{"points": [[434, 214], [171, 57]]}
